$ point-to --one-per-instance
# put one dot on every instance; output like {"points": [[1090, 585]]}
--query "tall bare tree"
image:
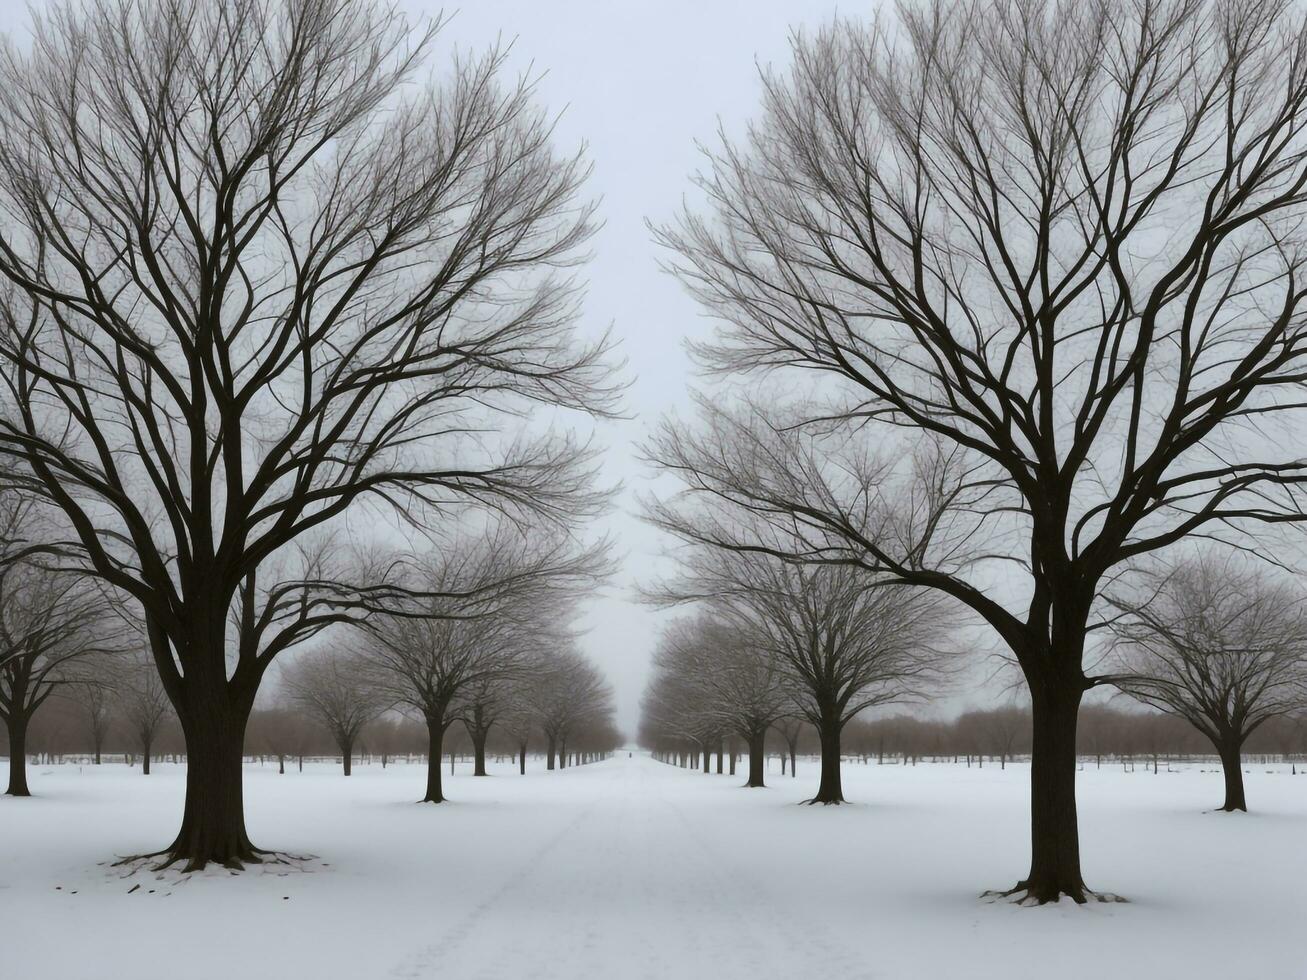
{"points": [[1222, 645], [1063, 241], [255, 282]]}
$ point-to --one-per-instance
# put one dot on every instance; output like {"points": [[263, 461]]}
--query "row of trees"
{"points": [[266, 296], [774, 641], [1212, 641], [66, 728], [1026, 278], [488, 643], [1107, 734], [558, 701]]}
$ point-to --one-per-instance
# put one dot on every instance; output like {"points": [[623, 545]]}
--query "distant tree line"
{"points": [[68, 727], [1108, 735]]}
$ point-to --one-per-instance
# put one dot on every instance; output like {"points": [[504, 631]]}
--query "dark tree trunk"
{"points": [[721, 747], [550, 746], [281, 765], [347, 756], [794, 768], [1232, 766], [17, 726], [435, 748], [1054, 831], [145, 757], [830, 790], [707, 759], [732, 760], [213, 820], [479, 753], [521, 759], [757, 759], [562, 755]]}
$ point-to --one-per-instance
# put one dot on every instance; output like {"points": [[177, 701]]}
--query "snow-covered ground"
{"points": [[630, 868]]}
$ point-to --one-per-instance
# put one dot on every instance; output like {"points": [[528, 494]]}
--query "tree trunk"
{"points": [[830, 790], [479, 753], [435, 748], [18, 755], [1232, 765], [281, 765], [757, 759], [721, 747], [145, 757], [213, 820], [347, 755], [794, 768], [1054, 832], [550, 746], [521, 759]]}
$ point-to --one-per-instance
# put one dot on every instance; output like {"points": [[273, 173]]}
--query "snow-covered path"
{"points": [[633, 885], [630, 868]]}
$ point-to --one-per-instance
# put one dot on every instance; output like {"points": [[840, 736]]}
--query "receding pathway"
{"points": [[630, 886]]}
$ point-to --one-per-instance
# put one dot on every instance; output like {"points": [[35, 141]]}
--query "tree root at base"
{"points": [[1024, 895], [251, 856]]}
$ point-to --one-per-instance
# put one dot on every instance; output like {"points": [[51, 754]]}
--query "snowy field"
{"points": [[630, 868]]}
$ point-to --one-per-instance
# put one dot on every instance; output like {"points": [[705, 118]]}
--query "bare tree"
{"points": [[844, 644], [143, 704], [1220, 644], [279, 730], [790, 728], [1062, 241], [484, 703], [254, 282], [54, 626], [519, 718], [94, 696], [492, 600], [330, 686]]}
